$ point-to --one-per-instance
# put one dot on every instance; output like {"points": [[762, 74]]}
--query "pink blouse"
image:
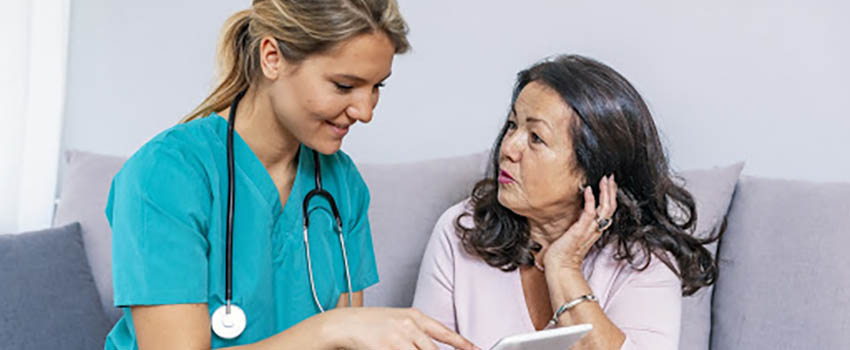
{"points": [[484, 304]]}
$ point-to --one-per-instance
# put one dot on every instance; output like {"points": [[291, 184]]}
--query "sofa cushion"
{"points": [[784, 276], [712, 190], [82, 198], [48, 298], [407, 200]]}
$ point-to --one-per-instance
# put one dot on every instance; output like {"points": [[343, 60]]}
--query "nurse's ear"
{"points": [[272, 61]]}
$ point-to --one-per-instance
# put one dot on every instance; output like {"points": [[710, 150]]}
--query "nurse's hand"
{"points": [[389, 328]]}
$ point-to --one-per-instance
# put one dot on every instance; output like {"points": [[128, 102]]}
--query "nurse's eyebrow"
{"points": [[358, 80]]}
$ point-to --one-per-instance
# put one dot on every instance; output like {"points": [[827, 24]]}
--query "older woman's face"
{"points": [[538, 176]]}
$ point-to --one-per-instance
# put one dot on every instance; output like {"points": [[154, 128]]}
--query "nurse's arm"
{"points": [[187, 326], [356, 299]]}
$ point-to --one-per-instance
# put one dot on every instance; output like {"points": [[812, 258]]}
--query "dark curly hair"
{"points": [[613, 134]]}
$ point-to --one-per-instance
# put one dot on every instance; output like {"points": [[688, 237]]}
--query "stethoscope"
{"points": [[228, 321]]}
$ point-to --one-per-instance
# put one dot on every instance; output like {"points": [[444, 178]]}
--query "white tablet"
{"points": [[550, 339]]}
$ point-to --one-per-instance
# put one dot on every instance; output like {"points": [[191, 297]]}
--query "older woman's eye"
{"points": [[511, 125], [536, 139]]}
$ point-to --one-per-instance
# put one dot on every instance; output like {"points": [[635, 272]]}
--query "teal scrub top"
{"points": [[167, 210]]}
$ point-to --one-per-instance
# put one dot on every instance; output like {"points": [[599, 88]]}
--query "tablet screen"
{"points": [[550, 339]]}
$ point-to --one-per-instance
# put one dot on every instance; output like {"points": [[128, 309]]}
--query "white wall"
{"points": [[14, 22], [760, 81], [32, 91]]}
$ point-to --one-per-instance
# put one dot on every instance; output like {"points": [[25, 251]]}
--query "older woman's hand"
{"points": [[568, 251]]}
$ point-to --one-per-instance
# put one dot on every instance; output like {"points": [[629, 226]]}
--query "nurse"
{"points": [[296, 76]]}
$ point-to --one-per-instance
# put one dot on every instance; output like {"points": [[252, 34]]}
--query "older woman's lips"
{"points": [[504, 177]]}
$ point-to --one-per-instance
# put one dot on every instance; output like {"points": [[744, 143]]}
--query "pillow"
{"points": [[712, 190], [407, 200], [48, 298], [83, 194]]}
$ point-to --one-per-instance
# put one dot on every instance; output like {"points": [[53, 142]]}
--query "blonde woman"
{"points": [[242, 225]]}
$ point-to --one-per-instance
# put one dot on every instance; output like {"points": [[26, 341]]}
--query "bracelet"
{"points": [[569, 305]]}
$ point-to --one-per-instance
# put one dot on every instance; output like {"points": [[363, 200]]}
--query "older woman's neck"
{"points": [[548, 229]]}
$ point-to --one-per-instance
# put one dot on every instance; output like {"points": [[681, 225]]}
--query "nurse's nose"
{"points": [[361, 108]]}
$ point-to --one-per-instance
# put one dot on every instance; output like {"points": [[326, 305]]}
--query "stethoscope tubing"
{"points": [[231, 197], [232, 327]]}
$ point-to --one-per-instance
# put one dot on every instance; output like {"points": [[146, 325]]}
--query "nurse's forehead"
{"points": [[366, 57]]}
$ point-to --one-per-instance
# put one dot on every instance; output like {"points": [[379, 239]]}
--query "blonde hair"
{"points": [[302, 28]]}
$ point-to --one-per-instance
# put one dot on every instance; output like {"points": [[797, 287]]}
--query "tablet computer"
{"points": [[550, 339]]}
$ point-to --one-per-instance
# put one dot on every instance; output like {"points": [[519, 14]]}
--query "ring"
{"points": [[603, 223]]}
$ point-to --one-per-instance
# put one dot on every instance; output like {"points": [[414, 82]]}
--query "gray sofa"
{"points": [[784, 278]]}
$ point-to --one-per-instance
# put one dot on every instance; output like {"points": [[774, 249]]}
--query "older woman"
{"points": [[575, 223]]}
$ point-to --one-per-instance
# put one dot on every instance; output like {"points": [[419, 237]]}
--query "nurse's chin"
{"points": [[326, 147]]}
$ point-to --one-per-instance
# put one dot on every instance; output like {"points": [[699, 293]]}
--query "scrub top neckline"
{"points": [[247, 161]]}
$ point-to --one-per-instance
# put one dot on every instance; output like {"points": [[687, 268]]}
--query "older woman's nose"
{"points": [[511, 148]]}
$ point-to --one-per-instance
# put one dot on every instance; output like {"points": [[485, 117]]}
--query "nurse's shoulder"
{"points": [[173, 171], [189, 148]]}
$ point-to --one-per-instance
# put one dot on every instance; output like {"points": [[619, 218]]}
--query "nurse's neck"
{"points": [[271, 142]]}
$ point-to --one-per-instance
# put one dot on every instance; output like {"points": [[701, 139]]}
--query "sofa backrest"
{"points": [[82, 198], [784, 268], [406, 201]]}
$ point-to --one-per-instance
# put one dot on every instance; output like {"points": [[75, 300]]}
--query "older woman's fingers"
{"points": [[588, 215], [589, 201], [614, 189], [587, 223], [594, 236], [610, 205], [604, 202]]}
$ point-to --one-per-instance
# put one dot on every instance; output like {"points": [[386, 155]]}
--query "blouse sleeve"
{"points": [[435, 287]]}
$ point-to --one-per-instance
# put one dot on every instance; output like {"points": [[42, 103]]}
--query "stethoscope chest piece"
{"points": [[228, 325]]}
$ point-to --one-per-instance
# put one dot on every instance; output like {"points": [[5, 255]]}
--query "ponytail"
{"points": [[234, 66]]}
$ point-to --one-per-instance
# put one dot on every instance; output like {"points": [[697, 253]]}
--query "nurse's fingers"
{"points": [[439, 332], [423, 342]]}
